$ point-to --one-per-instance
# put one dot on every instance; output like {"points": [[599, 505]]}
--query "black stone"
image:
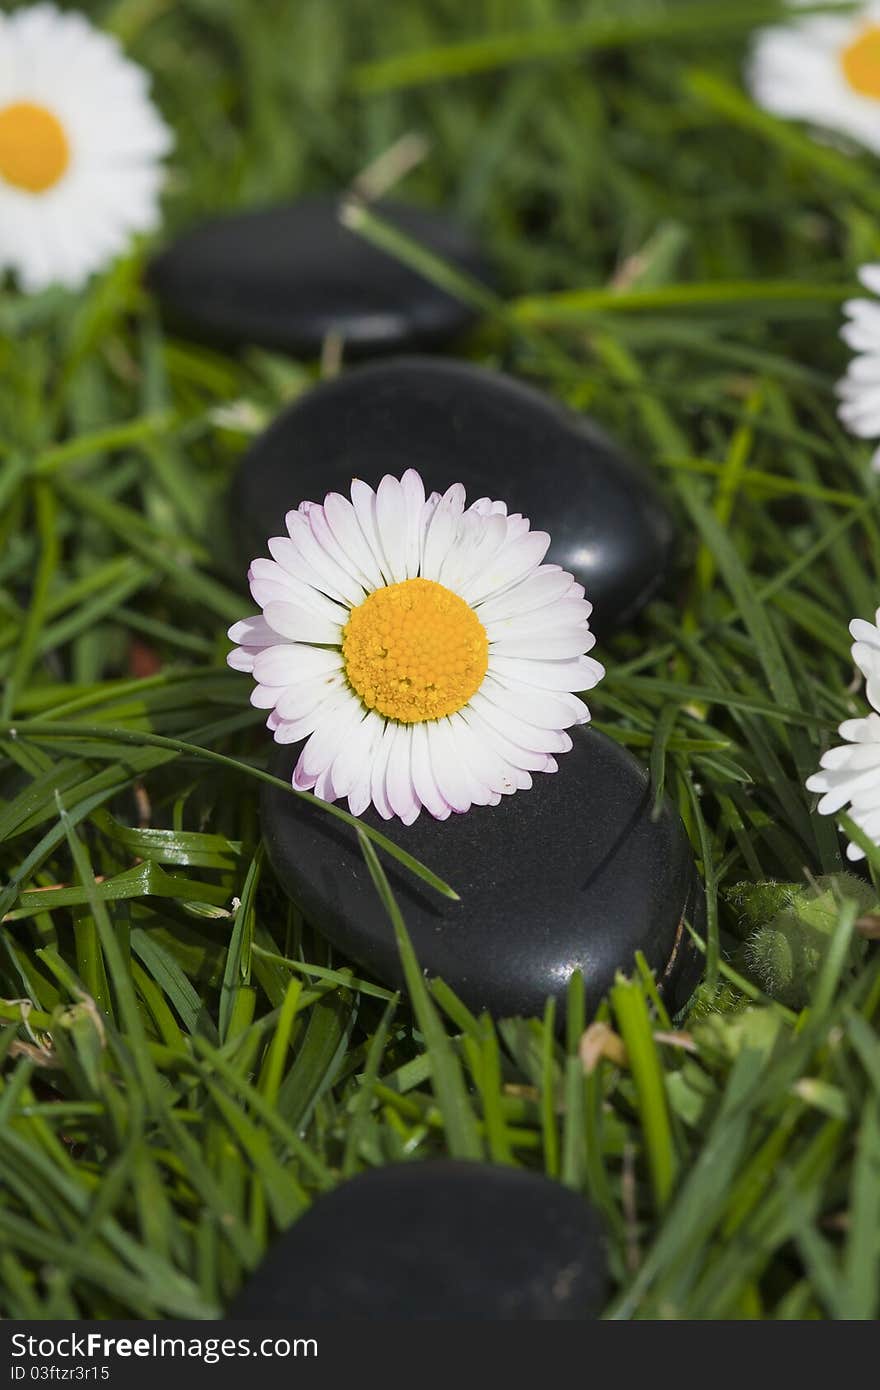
{"points": [[285, 277], [572, 874], [457, 423], [435, 1240]]}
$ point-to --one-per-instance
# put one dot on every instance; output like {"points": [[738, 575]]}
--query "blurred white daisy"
{"points": [[422, 649], [824, 69], [850, 775], [80, 148], [859, 390]]}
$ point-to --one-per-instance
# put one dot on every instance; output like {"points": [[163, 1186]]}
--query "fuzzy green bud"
{"points": [[786, 953]]}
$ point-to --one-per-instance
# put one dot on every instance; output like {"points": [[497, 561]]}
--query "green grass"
{"points": [[185, 1064]]}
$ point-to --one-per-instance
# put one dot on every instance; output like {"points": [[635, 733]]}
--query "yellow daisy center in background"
{"points": [[860, 61], [415, 651], [34, 151]]}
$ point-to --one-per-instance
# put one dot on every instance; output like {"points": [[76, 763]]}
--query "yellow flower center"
{"points": [[34, 151], [415, 651], [860, 61]]}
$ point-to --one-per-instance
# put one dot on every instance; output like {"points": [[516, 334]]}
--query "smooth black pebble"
{"points": [[571, 875], [285, 277], [435, 1240], [608, 523]]}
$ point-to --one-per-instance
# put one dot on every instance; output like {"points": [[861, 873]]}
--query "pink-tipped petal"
{"points": [[399, 787], [424, 781]]}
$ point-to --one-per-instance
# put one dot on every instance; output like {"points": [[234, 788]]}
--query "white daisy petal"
{"points": [[545, 586], [479, 789], [299, 625], [822, 69], [325, 538], [286, 663], [509, 770], [323, 787], [849, 757], [425, 653], [254, 635], [487, 764], [270, 582], [862, 417], [378, 773], [870, 278], [292, 730], [527, 758], [565, 614], [240, 660], [80, 148], [296, 701], [318, 563], [863, 375], [512, 563], [424, 781], [398, 776], [340, 715], [865, 635], [440, 533], [519, 730], [478, 541], [840, 791], [354, 752], [865, 730], [849, 775], [343, 522], [363, 500], [266, 591], [558, 644], [862, 329], [391, 525], [414, 500], [300, 781], [428, 510], [290, 569], [859, 389], [361, 787], [449, 774], [826, 70], [264, 697], [323, 714], [543, 708], [484, 506], [581, 673]]}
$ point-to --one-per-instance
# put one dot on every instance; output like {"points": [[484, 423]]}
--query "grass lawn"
{"points": [[185, 1064]]}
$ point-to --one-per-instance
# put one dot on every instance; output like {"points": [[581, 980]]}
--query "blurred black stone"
{"points": [[284, 277], [439, 1240], [572, 874], [608, 523]]}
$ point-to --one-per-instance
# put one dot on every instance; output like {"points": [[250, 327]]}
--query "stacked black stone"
{"points": [[574, 874], [608, 523], [435, 1241], [284, 278]]}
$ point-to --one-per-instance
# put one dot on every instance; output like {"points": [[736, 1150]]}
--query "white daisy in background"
{"points": [[859, 390], [850, 775], [824, 69], [80, 148], [422, 649]]}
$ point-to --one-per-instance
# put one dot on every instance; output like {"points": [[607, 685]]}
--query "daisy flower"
{"points": [[850, 775], [859, 390], [80, 145], [824, 69], [422, 648]]}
